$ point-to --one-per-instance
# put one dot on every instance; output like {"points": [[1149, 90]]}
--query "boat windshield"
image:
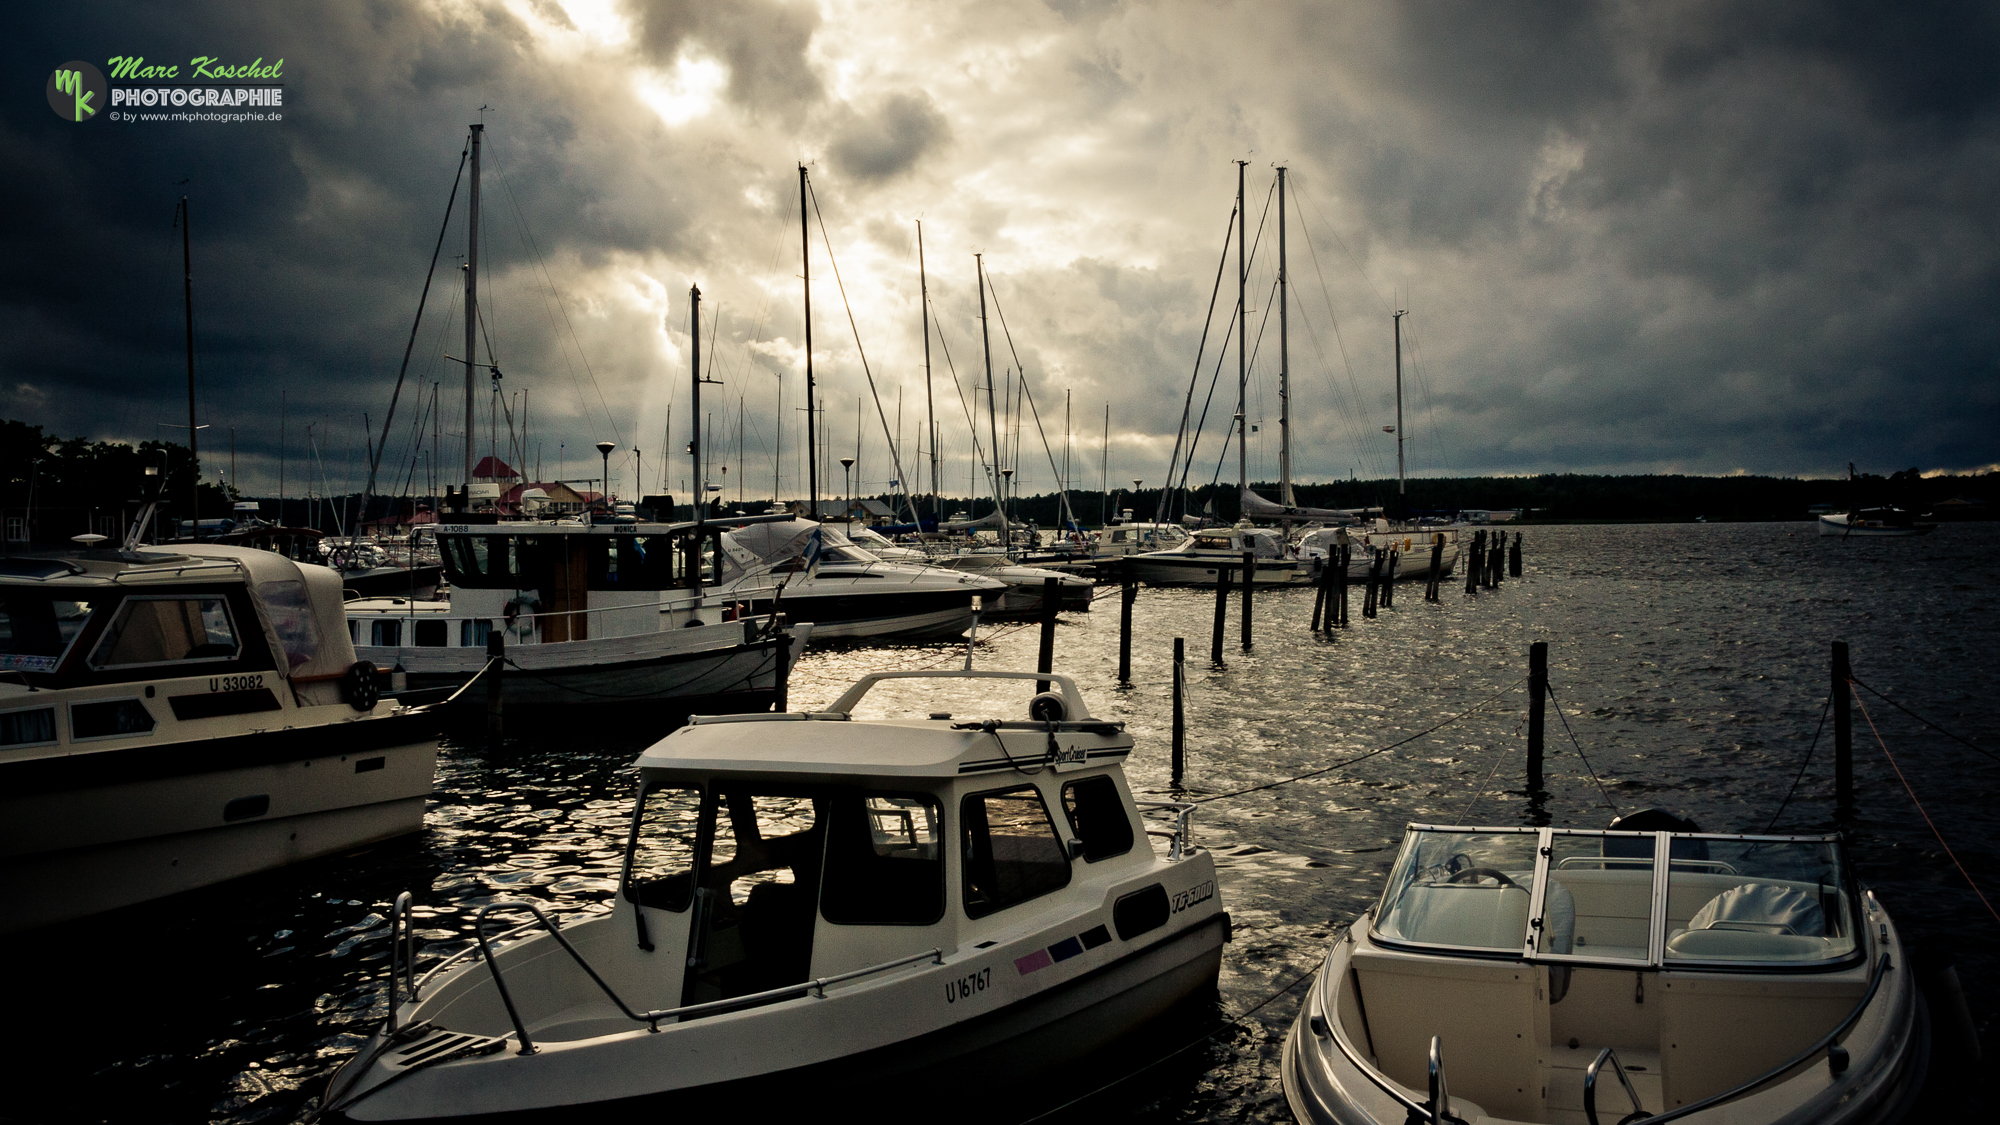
{"points": [[1606, 898]]}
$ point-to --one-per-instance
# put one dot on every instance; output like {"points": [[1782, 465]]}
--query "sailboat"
{"points": [[614, 613]]}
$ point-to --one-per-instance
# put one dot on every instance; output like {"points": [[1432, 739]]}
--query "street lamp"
{"points": [[847, 474], [605, 448]]}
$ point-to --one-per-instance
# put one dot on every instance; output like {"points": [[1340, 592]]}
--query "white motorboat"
{"points": [[589, 615], [1873, 523], [1588, 977], [174, 717], [815, 904], [1412, 549], [1021, 598], [1199, 560], [811, 572]]}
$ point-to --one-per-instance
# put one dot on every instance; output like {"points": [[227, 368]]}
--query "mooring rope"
{"points": [[1579, 750], [1800, 776], [1925, 814], [1912, 714]]}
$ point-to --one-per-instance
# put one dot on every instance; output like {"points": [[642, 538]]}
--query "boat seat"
{"points": [[1764, 907], [1716, 943], [1485, 1012]]}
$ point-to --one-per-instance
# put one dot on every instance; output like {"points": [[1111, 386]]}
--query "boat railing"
{"points": [[1836, 1058], [1682, 863], [1183, 811], [816, 986], [1590, 1074]]}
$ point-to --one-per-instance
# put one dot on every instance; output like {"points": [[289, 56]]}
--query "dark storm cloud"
{"points": [[1641, 236], [905, 129]]}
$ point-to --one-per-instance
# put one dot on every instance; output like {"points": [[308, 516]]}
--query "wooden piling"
{"points": [[1496, 567], [1180, 710], [1437, 568], [1051, 603], [1249, 586], [1340, 584], [1320, 582], [1538, 690], [1514, 558], [785, 658], [1222, 573], [1472, 553], [1389, 580], [1843, 734], [1369, 595], [496, 663], [1128, 592]]}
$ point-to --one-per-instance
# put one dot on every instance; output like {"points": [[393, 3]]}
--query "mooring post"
{"points": [[496, 661], [1128, 592], [1389, 581], [1340, 582], [1437, 568], [1472, 562], [1496, 571], [785, 657], [1249, 585], [1319, 595], [1538, 690], [1514, 558], [1222, 570], [1843, 735], [1051, 603], [1369, 596], [1180, 710]]}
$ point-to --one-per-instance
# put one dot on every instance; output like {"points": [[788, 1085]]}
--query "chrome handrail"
{"points": [[1183, 811], [461, 955], [1590, 1086], [402, 954], [817, 986], [1637, 861]]}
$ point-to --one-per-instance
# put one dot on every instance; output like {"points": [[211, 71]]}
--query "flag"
{"points": [[815, 547]]}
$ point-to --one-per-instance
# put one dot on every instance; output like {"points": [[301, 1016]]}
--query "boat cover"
{"points": [[1255, 507], [1763, 907]]}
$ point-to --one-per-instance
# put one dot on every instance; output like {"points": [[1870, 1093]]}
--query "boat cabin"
{"points": [[767, 850], [1705, 961]]}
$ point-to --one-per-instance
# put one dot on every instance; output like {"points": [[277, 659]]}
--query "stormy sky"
{"points": [[1660, 237]]}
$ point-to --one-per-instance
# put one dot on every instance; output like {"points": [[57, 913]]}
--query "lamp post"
{"points": [[847, 474], [604, 448]]}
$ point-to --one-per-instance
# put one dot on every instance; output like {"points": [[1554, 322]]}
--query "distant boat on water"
{"points": [[1873, 522]]}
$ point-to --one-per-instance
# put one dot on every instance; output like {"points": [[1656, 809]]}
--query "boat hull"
{"points": [[1039, 1031], [736, 677], [95, 832], [1838, 526], [1203, 571]]}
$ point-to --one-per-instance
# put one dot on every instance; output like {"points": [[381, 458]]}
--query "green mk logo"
{"points": [[71, 82], [77, 91]]}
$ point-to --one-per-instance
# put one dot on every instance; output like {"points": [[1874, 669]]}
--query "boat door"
{"points": [[756, 890]]}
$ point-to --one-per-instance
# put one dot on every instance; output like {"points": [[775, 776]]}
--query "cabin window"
{"points": [[659, 870], [36, 631], [1118, 537], [290, 610], [430, 634], [756, 891], [162, 630], [109, 718], [487, 562], [473, 633], [632, 562], [1011, 851], [388, 634], [884, 862], [1097, 817], [1758, 900], [26, 728]]}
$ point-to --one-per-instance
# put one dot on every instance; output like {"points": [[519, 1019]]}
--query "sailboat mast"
{"points": [[471, 301], [805, 258], [1104, 505], [930, 406], [694, 447], [1400, 314], [1284, 363], [992, 411], [194, 435], [1242, 355]]}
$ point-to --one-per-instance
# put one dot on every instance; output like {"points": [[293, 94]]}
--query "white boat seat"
{"points": [[1745, 945], [1764, 907]]}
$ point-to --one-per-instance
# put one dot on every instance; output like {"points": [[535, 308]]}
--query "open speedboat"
{"points": [[1874, 523], [1571, 977], [815, 902]]}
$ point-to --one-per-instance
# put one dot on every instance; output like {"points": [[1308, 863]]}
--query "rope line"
{"points": [[1912, 714], [1921, 811], [1466, 816], [1796, 778], [1579, 749], [1359, 757]]}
